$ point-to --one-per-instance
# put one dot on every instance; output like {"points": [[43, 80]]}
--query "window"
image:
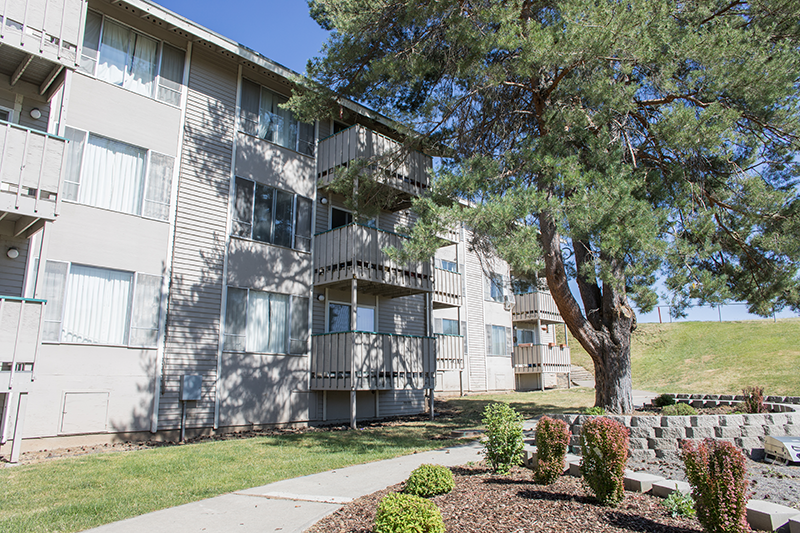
{"points": [[265, 322], [451, 266], [445, 326], [91, 305], [124, 57], [526, 336], [269, 215], [105, 173], [262, 116], [494, 288], [340, 218], [498, 340], [339, 318], [5, 114]]}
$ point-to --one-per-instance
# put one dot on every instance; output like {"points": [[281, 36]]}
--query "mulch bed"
{"points": [[487, 503]]}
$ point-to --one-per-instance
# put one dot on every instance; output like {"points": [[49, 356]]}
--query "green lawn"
{"points": [[713, 357], [78, 493]]}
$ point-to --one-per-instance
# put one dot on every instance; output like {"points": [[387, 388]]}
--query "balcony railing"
{"points": [[357, 251], [21, 322], [361, 360], [539, 358], [535, 306], [31, 168], [446, 288], [407, 173], [449, 352], [50, 29]]}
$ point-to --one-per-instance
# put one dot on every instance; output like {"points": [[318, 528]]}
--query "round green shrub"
{"points": [[406, 513], [430, 480], [594, 411], [679, 409], [664, 400], [504, 439]]}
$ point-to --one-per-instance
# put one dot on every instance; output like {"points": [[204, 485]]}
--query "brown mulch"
{"points": [[487, 503]]}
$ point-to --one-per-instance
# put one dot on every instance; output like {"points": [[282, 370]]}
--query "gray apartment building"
{"points": [[172, 256]]}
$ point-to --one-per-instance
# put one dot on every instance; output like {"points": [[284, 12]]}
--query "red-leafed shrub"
{"points": [[716, 470], [605, 453], [552, 439], [754, 400]]}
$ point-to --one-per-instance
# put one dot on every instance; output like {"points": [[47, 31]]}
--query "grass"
{"points": [[77, 493], [713, 357]]}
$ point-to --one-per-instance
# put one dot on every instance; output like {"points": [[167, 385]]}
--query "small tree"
{"points": [[552, 439], [503, 436], [754, 400], [605, 453], [715, 470]]}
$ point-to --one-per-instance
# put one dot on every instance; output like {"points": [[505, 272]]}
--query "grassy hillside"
{"points": [[713, 357]]}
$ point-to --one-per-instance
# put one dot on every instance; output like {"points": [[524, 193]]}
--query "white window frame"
{"points": [[130, 306], [159, 55], [10, 113], [495, 280], [145, 182], [371, 223], [290, 316]]}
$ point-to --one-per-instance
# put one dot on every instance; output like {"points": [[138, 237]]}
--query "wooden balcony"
{"points": [[21, 322], [361, 360], [449, 352], [406, 174], [452, 235], [446, 289], [357, 251], [31, 168], [535, 306], [40, 38], [540, 358]]}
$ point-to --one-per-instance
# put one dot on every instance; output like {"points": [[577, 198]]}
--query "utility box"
{"points": [[191, 387]]}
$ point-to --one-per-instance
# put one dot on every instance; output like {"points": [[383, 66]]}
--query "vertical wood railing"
{"points": [[382, 361], [449, 352], [535, 306], [536, 358], [49, 28], [21, 321], [447, 288]]}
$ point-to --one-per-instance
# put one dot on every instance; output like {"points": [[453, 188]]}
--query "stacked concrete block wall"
{"points": [[655, 436]]}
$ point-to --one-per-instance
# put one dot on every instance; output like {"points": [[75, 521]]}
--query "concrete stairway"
{"points": [[581, 377]]}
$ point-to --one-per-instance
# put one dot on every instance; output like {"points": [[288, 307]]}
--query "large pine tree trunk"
{"points": [[612, 371]]}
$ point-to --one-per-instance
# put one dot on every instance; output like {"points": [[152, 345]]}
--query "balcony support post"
{"points": [[353, 327], [16, 443]]}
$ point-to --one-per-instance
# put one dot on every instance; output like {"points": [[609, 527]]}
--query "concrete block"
{"points": [[641, 432], [575, 468], [640, 481], [645, 421], [703, 421], [794, 524], [731, 420], [748, 443], [727, 432], [642, 455], [671, 455], [726, 397], [676, 421], [768, 516], [638, 444], [529, 456], [666, 487], [775, 399], [700, 433], [753, 431], [712, 396], [681, 396], [671, 432]]}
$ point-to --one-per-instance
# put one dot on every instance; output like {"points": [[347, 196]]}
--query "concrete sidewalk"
{"points": [[292, 504]]}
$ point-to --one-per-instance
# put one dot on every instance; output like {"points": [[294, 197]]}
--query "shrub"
{"points": [[679, 504], [754, 400], [605, 452], [406, 513], [664, 400], [679, 409], [552, 439], [715, 470], [503, 436], [594, 411], [429, 480]]}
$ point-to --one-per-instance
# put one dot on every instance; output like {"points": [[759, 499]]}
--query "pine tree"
{"points": [[608, 142]]}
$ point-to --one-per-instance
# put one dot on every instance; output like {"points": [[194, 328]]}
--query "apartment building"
{"points": [[175, 259]]}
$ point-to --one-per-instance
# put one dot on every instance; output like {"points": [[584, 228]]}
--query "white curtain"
{"points": [[498, 340], [97, 306], [113, 53], [278, 323], [143, 65], [365, 319], [267, 322], [113, 175], [146, 309], [55, 279]]}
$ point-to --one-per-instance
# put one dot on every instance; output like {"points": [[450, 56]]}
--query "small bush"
{"points": [[679, 409], [552, 439], [406, 513], [605, 453], [503, 437], [754, 400], [679, 504], [430, 480], [716, 470], [664, 400], [594, 411]]}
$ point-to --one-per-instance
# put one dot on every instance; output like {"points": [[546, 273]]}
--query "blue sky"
{"points": [[278, 29], [284, 32]]}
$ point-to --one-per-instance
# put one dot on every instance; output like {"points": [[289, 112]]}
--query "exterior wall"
{"points": [[475, 363], [12, 271], [22, 98]]}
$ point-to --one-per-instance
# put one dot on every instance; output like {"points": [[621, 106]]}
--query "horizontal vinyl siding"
{"points": [[318, 316], [401, 402], [476, 329], [12, 271], [402, 316], [200, 234]]}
